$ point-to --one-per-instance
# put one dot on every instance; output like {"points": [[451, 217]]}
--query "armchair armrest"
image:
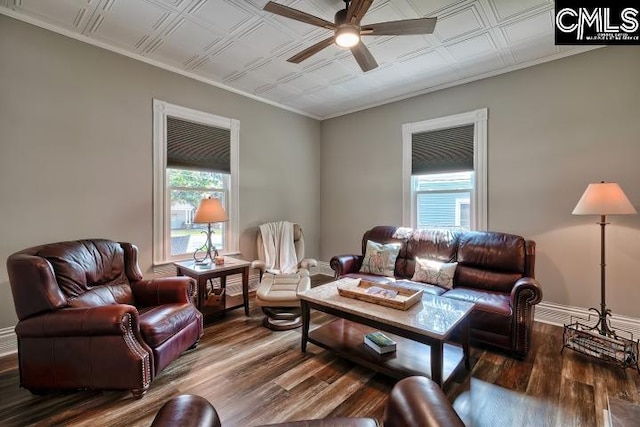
{"points": [[308, 263], [260, 266], [345, 264], [163, 290], [113, 319], [419, 401]]}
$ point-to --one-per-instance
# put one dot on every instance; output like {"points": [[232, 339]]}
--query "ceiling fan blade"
{"points": [[400, 28], [363, 56], [298, 15], [298, 58], [357, 10]]}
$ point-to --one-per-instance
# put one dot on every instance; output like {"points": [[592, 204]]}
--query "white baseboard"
{"points": [[8, 341], [560, 315]]}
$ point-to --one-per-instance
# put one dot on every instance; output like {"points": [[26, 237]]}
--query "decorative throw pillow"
{"points": [[435, 272], [380, 259]]}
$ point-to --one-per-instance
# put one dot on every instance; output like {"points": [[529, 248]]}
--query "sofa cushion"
{"points": [[492, 311], [435, 272], [439, 244], [490, 260], [380, 258], [159, 323]]}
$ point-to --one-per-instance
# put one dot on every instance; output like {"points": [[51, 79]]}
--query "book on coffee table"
{"points": [[380, 343]]}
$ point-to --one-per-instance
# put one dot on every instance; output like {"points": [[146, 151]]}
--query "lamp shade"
{"points": [[210, 210], [604, 198]]}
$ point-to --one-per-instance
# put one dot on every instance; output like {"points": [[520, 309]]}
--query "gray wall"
{"points": [[76, 149], [552, 129]]}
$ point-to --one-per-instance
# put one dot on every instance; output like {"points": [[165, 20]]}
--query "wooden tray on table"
{"points": [[386, 294]]}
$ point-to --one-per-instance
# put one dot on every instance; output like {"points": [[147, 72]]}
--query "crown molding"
{"points": [[486, 75], [65, 32]]}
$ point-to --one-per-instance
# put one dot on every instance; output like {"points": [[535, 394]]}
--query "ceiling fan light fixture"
{"points": [[347, 35]]}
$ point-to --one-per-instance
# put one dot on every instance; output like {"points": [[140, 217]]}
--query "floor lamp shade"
{"points": [[604, 198]]}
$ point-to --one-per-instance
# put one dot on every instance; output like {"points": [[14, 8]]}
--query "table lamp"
{"points": [[210, 211], [603, 198]]}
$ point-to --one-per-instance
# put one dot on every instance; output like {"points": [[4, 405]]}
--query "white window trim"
{"points": [[459, 203], [478, 118], [161, 216]]}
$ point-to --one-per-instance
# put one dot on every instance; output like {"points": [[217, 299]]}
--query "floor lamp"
{"points": [[210, 211], [603, 198]]}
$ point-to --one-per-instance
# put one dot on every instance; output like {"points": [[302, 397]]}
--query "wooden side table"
{"points": [[204, 273]]}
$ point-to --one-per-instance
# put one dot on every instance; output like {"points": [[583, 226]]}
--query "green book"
{"points": [[380, 342]]}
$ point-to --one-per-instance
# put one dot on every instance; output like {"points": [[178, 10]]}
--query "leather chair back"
{"points": [[81, 273]]}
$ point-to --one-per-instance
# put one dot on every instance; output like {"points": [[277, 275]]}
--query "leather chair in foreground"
{"points": [[414, 401], [88, 320]]}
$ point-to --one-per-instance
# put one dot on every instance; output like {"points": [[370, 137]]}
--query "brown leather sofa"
{"points": [[414, 401], [88, 320], [495, 271]]}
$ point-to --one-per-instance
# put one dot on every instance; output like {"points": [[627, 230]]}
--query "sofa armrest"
{"points": [[345, 264], [113, 319], [526, 293], [163, 290], [419, 401]]}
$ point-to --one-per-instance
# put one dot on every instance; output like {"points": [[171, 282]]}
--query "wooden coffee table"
{"points": [[422, 333]]}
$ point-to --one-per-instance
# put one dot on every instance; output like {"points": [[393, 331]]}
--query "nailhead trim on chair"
{"points": [[136, 348]]}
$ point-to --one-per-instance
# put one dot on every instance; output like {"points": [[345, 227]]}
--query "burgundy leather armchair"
{"points": [[414, 401], [88, 320]]}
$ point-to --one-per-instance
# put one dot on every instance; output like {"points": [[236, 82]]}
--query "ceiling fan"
{"points": [[347, 29]]}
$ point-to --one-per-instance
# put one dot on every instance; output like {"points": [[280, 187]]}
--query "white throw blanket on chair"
{"points": [[279, 249]]}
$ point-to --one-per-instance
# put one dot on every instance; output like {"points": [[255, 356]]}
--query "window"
{"points": [[444, 172], [186, 189], [442, 200], [195, 156]]}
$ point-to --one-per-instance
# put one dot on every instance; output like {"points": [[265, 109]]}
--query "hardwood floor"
{"points": [[253, 375]]}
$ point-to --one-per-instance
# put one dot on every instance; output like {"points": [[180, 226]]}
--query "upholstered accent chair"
{"points": [[88, 320], [277, 293]]}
